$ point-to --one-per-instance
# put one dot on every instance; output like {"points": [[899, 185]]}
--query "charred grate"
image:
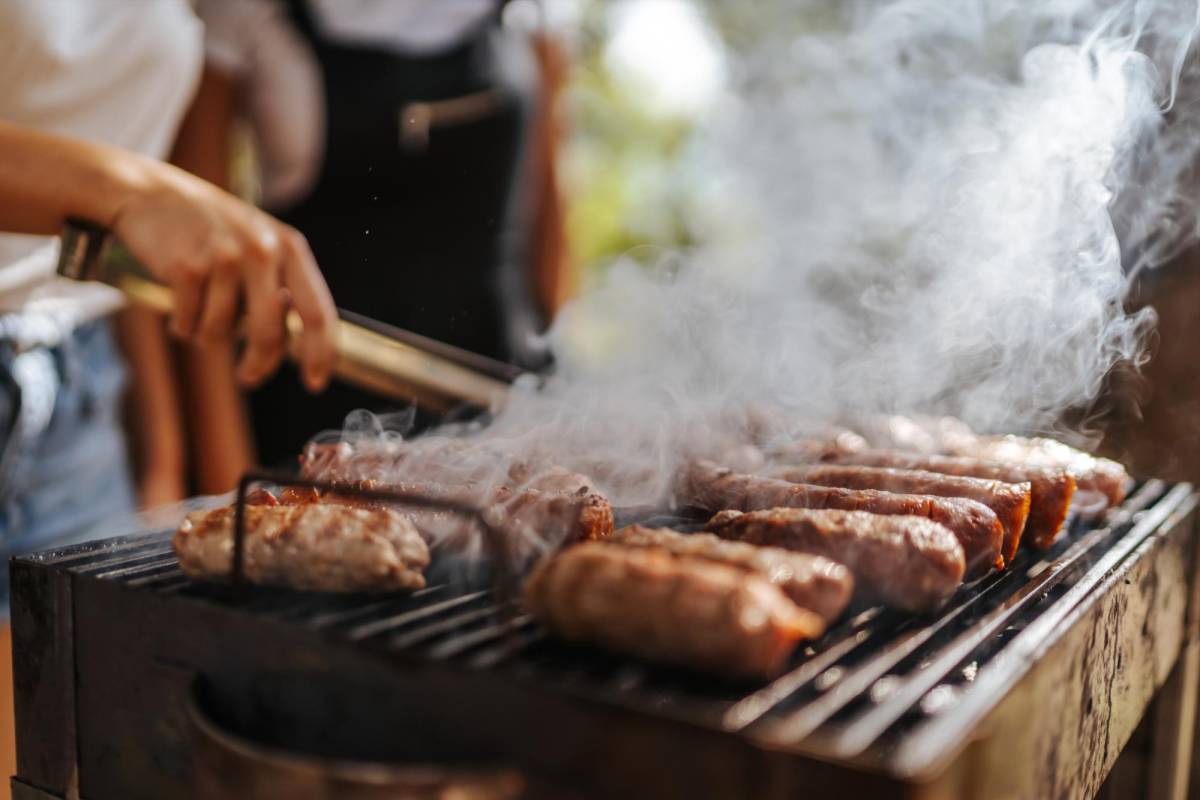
{"points": [[881, 688]]}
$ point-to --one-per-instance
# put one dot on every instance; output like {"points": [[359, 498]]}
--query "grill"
{"points": [[1028, 683]]}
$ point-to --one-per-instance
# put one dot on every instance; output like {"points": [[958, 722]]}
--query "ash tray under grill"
{"points": [[256, 745]]}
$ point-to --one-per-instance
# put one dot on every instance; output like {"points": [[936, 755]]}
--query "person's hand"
{"points": [[223, 258], [226, 260]]}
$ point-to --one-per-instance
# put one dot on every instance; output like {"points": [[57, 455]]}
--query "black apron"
{"points": [[412, 230]]}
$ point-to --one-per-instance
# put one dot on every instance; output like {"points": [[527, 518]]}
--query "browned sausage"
{"points": [[1051, 489], [911, 563], [1105, 479], [811, 581], [676, 609], [712, 488], [1009, 501]]}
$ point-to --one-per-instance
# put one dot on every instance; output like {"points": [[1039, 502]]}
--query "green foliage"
{"points": [[624, 162]]}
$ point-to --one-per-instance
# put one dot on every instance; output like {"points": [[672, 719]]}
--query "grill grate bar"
{"points": [[403, 641], [468, 641], [136, 567], [849, 686], [358, 611], [508, 647], [371, 629], [91, 561], [751, 708], [871, 725]]}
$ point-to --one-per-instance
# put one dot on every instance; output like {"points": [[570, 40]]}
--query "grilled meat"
{"points": [[1051, 489], [910, 563], [712, 488], [550, 503], [525, 514], [451, 461], [580, 515], [1106, 480], [665, 607], [813, 582], [317, 546], [1009, 501]]}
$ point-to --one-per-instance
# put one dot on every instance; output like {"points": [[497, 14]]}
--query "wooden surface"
{"points": [[1151, 417], [1058, 733]]}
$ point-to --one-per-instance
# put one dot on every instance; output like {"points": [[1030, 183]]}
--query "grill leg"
{"points": [[1174, 724]]}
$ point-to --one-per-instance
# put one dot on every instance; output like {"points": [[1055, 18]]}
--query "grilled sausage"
{"points": [[713, 488], [1009, 501], [811, 581], [1051, 489], [911, 563], [526, 515], [555, 504], [651, 603], [1102, 478], [317, 546]]}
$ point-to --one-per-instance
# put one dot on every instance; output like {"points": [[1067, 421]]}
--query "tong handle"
{"points": [[373, 359]]}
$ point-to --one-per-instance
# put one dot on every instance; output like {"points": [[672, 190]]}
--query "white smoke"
{"points": [[942, 196]]}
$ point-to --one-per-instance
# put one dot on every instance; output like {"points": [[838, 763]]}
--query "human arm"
{"points": [[213, 250]]}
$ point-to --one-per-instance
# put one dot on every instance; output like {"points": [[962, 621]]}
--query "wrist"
{"points": [[115, 180]]}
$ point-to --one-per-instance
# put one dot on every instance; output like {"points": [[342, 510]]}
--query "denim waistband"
{"points": [[33, 373]]}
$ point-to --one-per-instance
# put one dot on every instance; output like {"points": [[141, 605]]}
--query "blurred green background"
{"points": [[645, 75]]}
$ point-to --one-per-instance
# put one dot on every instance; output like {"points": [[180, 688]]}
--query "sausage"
{"points": [[651, 603], [910, 563], [533, 516], [978, 529], [1100, 477], [1050, 488], [811, 581], [1009, 501]]}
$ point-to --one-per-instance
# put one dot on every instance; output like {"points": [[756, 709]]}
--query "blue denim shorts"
{"points": [[64, 466]]}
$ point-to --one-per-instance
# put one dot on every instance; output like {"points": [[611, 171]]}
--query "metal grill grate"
{"points": [[881, 687]]}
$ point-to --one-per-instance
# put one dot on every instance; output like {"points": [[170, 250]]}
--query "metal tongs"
{"points": [[372, 355]]}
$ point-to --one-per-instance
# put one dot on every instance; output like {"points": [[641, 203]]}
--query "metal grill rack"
{"points": [[882, 694]]}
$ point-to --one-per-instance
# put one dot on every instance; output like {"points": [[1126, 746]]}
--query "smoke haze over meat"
{"points": [[939, 198]]}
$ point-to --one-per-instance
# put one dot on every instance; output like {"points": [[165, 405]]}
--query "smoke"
{"points": [[940, 202]]}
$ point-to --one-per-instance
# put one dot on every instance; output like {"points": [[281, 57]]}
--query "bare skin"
{"points": [[217, 253]]}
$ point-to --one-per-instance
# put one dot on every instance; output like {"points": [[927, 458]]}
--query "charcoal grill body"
{"points": [[1028, 685]]}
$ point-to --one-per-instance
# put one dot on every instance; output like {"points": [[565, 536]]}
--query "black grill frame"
{"points": [[868, 720]]}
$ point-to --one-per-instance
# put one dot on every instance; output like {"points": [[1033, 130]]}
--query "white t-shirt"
{"points": [[120, 72]]}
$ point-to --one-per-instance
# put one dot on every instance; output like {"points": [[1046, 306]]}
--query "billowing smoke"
{"points": [[945, 200]]}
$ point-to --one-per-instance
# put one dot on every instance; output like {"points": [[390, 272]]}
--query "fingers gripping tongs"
{"points": [[372, 355]]}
